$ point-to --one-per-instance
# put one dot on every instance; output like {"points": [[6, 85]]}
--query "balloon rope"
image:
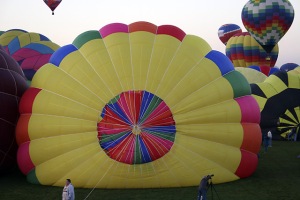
{"points": [[97, 184]]}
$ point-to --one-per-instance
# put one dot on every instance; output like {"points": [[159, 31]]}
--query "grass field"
{"points": [[277, 178]]}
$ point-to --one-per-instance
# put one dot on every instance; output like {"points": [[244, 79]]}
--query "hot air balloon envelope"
{"points": [[129, 106], [13, 85], [244, 51], [288, 66], [52, 4], [226, 31], [268, 20]]}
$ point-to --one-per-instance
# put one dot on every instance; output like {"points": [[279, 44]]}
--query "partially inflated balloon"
{"points": [[265, 69], [252, 75], [289, 124], [13, 85], [52, 4], [31, 51], [288, 66], [226, 31], [268, 20], [279, 99], [295, 71], [130, 106], [9, 35], [244, 51]]}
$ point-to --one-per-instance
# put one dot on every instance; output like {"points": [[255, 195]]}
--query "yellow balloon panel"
{"points": [[47, 148], [201, 96], [93, 172], [224, 112], [107, 173], [57, 125], [294, 80], [261, 101], [9, 35], [56, 167], [77, 67], [96, 54], [164, 49], [182, 66], [229, 134], [276, 84], [62, 106], [252, 75], [58, 81], [294, 71], [118, 49], [141, 54], [201, 151], [27, 38]]}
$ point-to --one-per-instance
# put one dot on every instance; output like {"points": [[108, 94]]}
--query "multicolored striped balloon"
{"points": [[244, 51], [226, 31], [31, 51], [268, 20], [137, 106]]}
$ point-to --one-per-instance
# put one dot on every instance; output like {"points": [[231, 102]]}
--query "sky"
{"points": [[195, 17]]}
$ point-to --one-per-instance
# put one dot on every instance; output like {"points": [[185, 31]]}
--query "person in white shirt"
{"points": [[68, 191], [270, 138]]}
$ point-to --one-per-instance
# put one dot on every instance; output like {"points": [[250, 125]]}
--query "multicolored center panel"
{"points": [[137, 127]]}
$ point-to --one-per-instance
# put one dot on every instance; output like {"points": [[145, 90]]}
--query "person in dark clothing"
{"points": [[203, 186], [265, 142]]}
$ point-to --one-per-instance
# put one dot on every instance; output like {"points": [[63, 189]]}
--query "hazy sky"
{"points": [[196, 17]]}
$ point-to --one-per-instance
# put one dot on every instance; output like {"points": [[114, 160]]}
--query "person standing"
{"points": [[265, 142], [270, 138], [68, 191], [203, 186]]}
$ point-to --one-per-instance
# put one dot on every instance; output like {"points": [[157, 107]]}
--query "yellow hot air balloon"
{"points": [[137, 106]]}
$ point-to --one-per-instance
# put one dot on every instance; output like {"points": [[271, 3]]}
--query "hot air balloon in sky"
{"points": [[137, 106], [226, 31], [13, 85], [279, 100], [31, 51], [268, 20], [265, 69], [244, 51], [52, 4]]}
